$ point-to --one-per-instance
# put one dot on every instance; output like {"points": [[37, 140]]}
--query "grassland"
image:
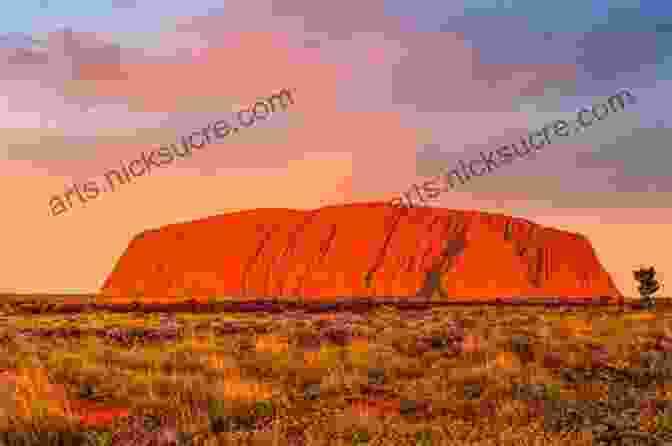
{"points": [[383, 377]]}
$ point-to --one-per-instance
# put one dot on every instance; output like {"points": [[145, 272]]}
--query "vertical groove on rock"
{"points": [[383, 250], [530, 233], [409, 264], [253, 260], [508, 230], [451, 249], [291, 246], [539, 267], [266, 285], [429, 242], [324, 247]]}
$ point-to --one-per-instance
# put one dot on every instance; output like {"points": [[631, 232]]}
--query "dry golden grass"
{"points": [[30, 393], [241, 369]]}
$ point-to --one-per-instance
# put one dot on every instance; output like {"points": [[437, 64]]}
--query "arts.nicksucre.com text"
{"points": [[166, 154]]}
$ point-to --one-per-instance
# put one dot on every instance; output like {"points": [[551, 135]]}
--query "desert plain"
{"points": [[432, 375]]}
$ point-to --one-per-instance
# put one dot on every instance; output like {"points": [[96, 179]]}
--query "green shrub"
{"points": [[136, 332], [423, 438], [216, 409], [552, 392], [360, 438], [103, 438], [664, 422], [264, 408]]}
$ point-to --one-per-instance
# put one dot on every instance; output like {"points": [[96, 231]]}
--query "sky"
{"points": [[386, 94]]}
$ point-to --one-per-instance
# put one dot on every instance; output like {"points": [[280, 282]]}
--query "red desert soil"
{"points": [[331, 251]]}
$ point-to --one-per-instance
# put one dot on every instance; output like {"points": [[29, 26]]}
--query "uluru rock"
{"points": [[359, 250]]}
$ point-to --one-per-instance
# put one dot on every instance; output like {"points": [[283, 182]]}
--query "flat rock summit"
{"points": [[359, 250]]}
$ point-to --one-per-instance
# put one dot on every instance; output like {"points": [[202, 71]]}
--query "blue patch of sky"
{"points": [[568, 16], [40, 16], [533, 31], [565, 16], [664, 69], [424, 16]]}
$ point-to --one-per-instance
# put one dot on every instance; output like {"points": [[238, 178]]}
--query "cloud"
{"points": [[606, 55], [641, 159], [444, 87], [65, 52], [124, 3], [19, 40]]}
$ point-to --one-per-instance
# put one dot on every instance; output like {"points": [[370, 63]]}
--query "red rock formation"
{"points": [[371, 249]]}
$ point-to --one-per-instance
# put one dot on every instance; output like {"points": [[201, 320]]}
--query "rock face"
{"points": [[359, 250]]}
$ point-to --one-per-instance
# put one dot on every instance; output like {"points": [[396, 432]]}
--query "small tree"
{"points": [[648, 285]]}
